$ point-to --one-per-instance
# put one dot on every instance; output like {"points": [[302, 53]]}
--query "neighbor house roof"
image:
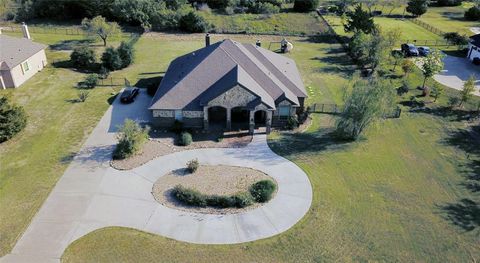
{"points": [[475, 40], [14, 51], [196, 78]]}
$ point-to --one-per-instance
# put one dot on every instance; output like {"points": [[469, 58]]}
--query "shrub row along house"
{"points": [[229, 85], [20, 59]]}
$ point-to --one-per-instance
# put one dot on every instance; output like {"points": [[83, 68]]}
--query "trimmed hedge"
{"points": [[192, 197], [262, 191], [185, 139]]}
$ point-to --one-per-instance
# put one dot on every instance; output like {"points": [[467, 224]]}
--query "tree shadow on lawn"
{"points": [[466, 212], [292, 144], [70, 44], [338, 64], [445, 112]]}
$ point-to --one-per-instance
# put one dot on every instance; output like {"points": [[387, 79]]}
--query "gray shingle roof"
{"points": [[14, 51], [195, 78]]}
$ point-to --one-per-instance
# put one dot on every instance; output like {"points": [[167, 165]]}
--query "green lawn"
{"points": [[410, 31], [32, 162], [449, 19], [393, 196], [287, 23]]}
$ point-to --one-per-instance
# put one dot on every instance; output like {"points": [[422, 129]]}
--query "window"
{"points": [[178, 115], [25, 67], [284, 111]]}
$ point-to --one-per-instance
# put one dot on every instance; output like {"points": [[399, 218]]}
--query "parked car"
{"points": [[423, 51], [409, 50], [476, 61], [129, 94]]}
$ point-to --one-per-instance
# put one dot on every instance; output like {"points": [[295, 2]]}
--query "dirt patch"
{"points": [[163, 143], [211, 180]]}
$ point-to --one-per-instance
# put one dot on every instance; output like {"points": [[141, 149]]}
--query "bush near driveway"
{"points": [[185, 139], [305, 5], [262, 191], [192, 197], [192, 165], [131, 137]]}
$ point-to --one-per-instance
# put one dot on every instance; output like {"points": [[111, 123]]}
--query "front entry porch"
{"points": [[236, 118]]}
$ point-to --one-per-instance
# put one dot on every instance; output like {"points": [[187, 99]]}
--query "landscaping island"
{"points": [[221, 181]]}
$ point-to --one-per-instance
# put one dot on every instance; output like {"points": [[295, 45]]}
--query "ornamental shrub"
{"points": [[90, 81], [125, 52], [192, 165], [82, 57], [262, 191], [189, 196], [131, 137], [185, 139], [13, 119], [449, 2], [265, 8]]}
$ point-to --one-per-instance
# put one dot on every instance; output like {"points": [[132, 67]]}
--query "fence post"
{"points": [[323, 105], [111, 80]]}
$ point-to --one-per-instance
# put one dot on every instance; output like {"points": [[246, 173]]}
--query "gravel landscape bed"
{"points": [[163, 143], [210, 180]]}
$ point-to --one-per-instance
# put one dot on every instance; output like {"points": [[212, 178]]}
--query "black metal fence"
{"points": [[331, 108]]}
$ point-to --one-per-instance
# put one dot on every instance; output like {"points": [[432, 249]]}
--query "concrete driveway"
{"points": [[92, 195], [456, 72]]}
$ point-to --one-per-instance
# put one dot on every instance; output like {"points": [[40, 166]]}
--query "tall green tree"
{"points": [[417, 7], [366, 101], [359, 20], [100, 27], [467, 92], [432, 64]]}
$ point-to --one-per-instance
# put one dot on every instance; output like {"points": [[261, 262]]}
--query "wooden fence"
{"points": [[428, 27], [331, 108]]}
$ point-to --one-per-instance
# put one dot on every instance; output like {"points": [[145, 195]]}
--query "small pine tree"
{"points": [[467, 92], [13, 119]]}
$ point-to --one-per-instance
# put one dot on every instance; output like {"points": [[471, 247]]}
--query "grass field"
{"points": [[287, 23], [449, 19], [32, 162], [410, 31], [398, 195]]}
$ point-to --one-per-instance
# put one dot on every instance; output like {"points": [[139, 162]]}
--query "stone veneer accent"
{"points": [[192, 114], [234, 97], [163, 113]]}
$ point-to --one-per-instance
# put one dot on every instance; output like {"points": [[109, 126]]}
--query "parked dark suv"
{"points": [[129, 94], [409, 50], [423, 51]]}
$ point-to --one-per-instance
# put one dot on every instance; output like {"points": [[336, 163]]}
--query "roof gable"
{"points": [[14, 51]]}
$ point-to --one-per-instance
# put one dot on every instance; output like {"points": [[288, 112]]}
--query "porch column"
{"points": [[229, 119], [269, 121], [252, 122], [205, 118]]}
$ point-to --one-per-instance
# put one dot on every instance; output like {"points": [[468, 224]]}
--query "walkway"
{"points": [[92, 195]]}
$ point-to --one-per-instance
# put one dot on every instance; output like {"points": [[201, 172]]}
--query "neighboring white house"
{"points": [[474, 47], [20, 59]]}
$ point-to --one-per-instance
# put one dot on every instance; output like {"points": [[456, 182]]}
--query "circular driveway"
{"points": [[290, 204]]}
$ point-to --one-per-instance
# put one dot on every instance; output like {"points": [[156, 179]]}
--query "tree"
{"points": [[359, 20], [125, 52], [82, 57], [369, 50], [130, 137], [393, 4], [365, 103], [111, 59], [193, 23], [472, 14], [305, 5], [417, 7], [100, 27], [13, 119], [467, 92], [437, 91], [432, 64], [454, 38], [407, 67], [397, 58]]}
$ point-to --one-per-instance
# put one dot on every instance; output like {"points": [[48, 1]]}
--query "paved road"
{"points": [[92, 195], [456, 71]]}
